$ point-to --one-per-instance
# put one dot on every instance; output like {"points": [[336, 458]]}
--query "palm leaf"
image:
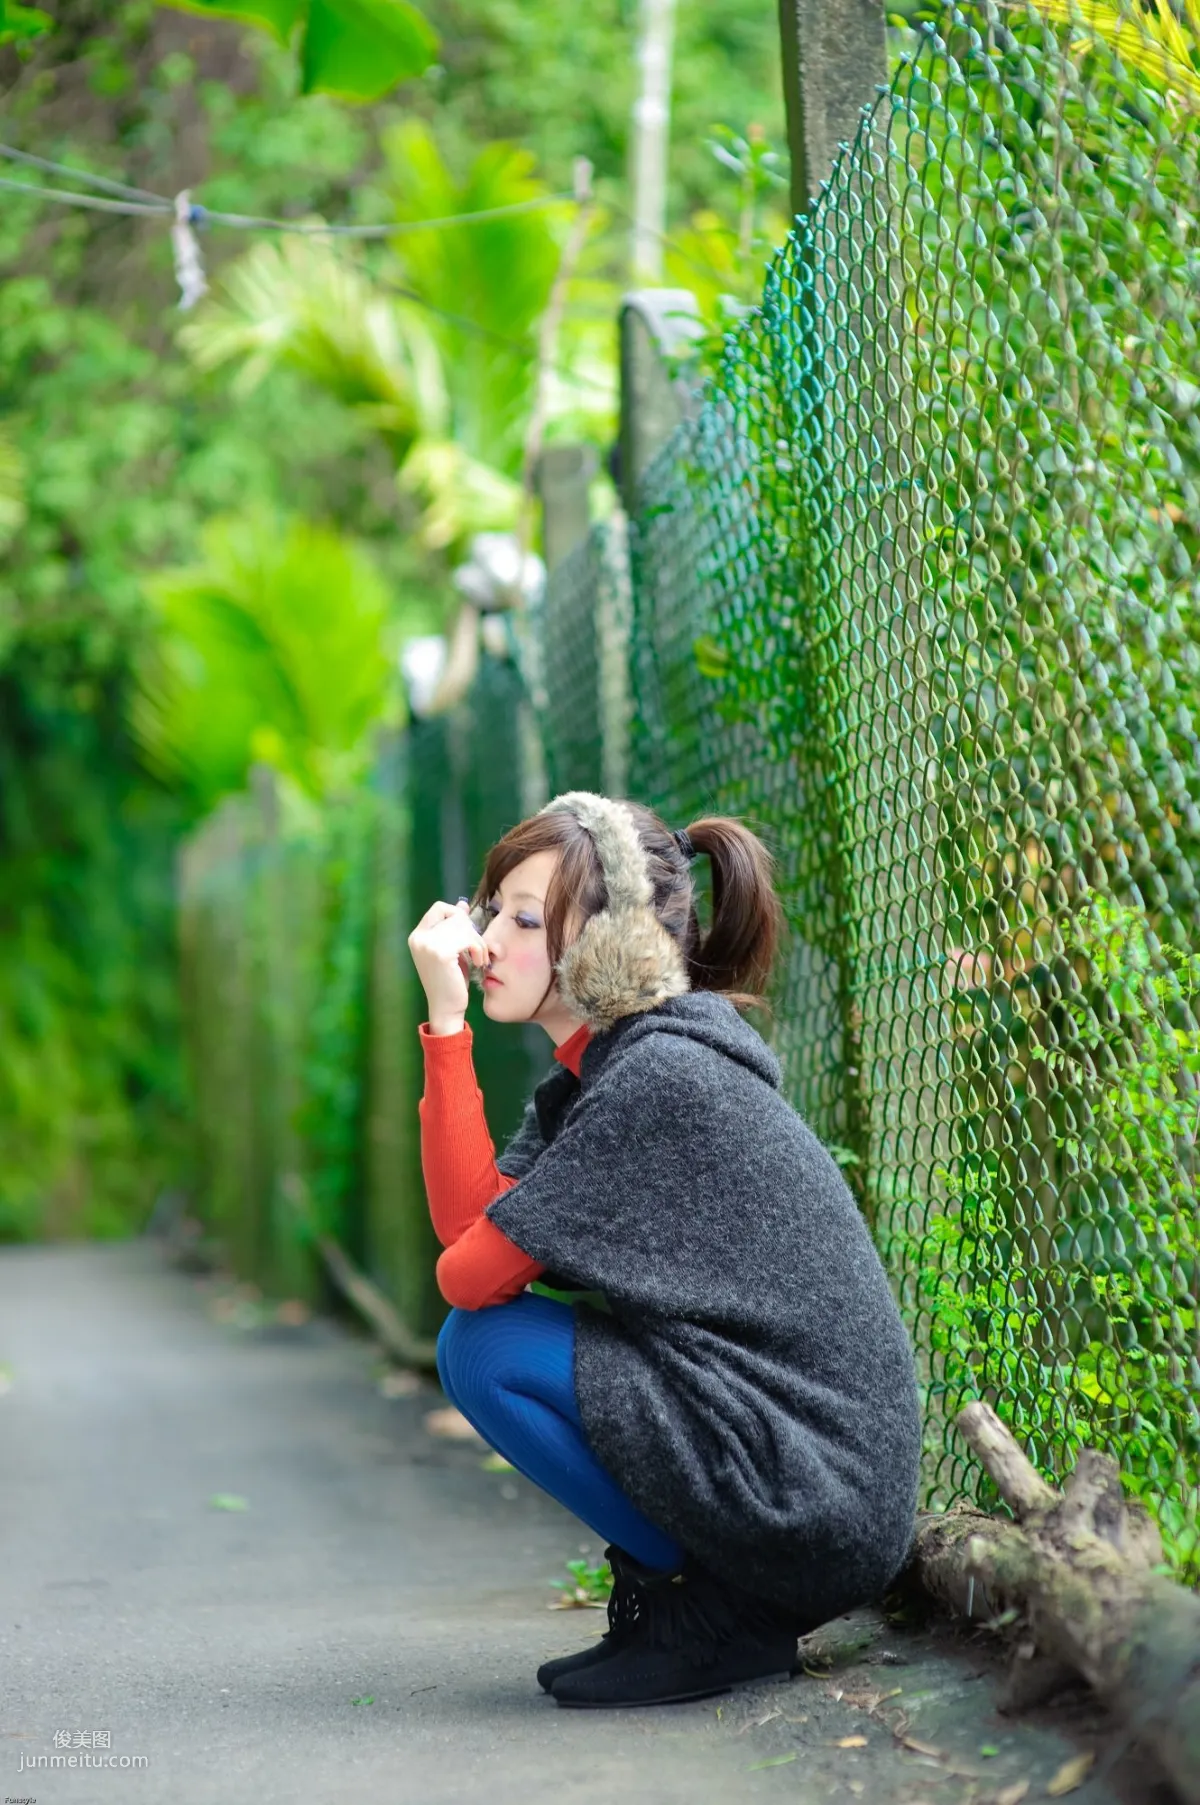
{"points": [[356, 49], [493, 276], [460, 495], [302, 305], [272, 648], [1153, 42]]}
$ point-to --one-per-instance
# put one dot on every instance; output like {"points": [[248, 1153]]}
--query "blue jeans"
{"points": [[510, 1369]]}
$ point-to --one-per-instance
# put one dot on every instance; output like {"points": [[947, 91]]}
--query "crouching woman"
{"points": [[669, 1313]]}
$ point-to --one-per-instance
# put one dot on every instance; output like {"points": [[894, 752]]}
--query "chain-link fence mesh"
{"points": [[250, 928], [916, 596], [576, 655]]}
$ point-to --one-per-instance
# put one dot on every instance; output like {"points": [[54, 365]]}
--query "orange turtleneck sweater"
{"points": [[480, 1265]]}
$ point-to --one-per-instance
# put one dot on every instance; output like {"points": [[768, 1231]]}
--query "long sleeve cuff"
{"points": [[484, 1267]]}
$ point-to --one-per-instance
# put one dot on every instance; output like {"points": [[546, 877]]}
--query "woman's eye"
{"points": [[523, 921]]}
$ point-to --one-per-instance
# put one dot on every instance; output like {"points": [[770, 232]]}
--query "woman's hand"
{"points": [[442, 944]]}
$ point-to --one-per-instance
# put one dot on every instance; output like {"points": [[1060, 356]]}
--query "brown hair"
{"points": [[738, 952]]}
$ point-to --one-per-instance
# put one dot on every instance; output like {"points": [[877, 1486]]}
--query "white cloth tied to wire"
{"points": [[189, 270]]}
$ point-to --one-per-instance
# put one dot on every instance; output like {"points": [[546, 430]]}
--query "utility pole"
{"points": [[651, 139]]}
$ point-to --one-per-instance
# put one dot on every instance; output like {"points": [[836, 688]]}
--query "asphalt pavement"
{"points": [[365, 1622]]}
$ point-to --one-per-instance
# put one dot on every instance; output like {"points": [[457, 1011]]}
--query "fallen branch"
{"points": [[185, 1246], [371, 1302], [367, 1298], [1074, 1571]]}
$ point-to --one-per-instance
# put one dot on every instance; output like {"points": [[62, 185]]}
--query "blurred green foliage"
{"points": [[118, 452], [125, 452], [562, 80], [720, 253], [18, 23], [89, 1080], [272, 650], [491, 280], [433, 348], [331, 1117], [357, 49]]}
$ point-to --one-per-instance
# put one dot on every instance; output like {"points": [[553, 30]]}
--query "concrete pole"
{"points": [[834, 58], [562, 475], [656, 327], [834, 55], [651, 138]]}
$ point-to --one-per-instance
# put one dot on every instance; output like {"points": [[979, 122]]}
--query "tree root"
{"points": [[1073, 1576]]}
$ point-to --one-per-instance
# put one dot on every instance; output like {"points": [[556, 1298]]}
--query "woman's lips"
{"points": [[489, 979]]}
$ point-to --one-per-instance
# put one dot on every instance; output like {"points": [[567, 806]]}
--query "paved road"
{"points": [[226, 1648]]}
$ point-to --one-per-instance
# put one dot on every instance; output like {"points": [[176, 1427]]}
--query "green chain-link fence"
{"points": [[915, 594], [302, 1003]]}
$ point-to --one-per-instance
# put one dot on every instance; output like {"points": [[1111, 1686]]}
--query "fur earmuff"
{"points": [[622, 964], [624, 961]]}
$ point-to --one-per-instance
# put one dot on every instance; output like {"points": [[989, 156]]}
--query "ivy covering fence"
{"points": [[913, 591]]}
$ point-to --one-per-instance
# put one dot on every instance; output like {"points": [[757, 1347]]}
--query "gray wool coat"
{"points": [[751, 1385]]}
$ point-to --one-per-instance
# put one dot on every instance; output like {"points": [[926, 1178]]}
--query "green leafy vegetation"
{"points": [[251, 664], [114, 458], [585, 1585], [217, 528], [1082, 1339]]}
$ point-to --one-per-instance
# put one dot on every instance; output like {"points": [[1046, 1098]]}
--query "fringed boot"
{"points": [[623, 1613], [693, 1635]]}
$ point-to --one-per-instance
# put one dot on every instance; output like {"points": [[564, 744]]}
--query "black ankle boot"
{"points": [[624, 1610], [694, 1635]]}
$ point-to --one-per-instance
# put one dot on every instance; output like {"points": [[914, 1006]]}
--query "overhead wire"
{"points": [[142, 203], [202, 215], [205, 216], [143, 200], [86, 176], [97, 202]]}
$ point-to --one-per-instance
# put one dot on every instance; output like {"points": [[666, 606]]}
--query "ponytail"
{"points": [[737, 955]]}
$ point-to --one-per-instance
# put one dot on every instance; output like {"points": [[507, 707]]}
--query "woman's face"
{"points": [[515, 936]]}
